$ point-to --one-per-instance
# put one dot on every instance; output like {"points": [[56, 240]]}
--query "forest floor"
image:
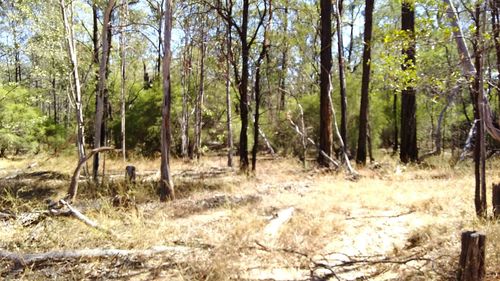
{"points": [[393, 223]]}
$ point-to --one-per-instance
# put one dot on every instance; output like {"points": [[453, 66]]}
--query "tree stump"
{"points": [[496, 201], [472, 257], [130, 174]]}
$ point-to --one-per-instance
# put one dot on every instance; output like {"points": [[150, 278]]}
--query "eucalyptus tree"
{"points": [[325, 112], [166, 183], [99, 125], [72, 51], [408, 150], [365, 83]]}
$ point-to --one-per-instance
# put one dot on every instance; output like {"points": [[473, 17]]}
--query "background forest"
{"points": [[38, 98]]}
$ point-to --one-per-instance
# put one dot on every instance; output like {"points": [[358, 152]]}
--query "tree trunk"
{"points": [[496, 201], [495, 20], [325, 125], [99, 114], [395, 119], [199, 99], [80, 142], [185, 96], [228, 99], [343, 91], [479, 142], [258, 94], [166, 184], [54, 99], [365, 85], [123, 21], [243, 88], [408, 149], [284, 61], [473, 72], [472, 257]]}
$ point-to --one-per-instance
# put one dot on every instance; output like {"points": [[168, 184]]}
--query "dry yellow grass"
{"points": [[392, 212]]}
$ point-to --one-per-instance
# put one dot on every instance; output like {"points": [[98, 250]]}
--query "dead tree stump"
{"points": [[472, 257], [130, 174], [496, 201]]}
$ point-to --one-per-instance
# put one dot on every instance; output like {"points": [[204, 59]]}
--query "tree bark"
{"points": [[365, 84], [166, 184], [343, 91], [243, 88], [100, 103], [325, 125], [408, 150], [80, 142], [228, 98]]}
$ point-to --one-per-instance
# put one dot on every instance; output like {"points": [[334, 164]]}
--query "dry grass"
{"points": [[392, 211]]}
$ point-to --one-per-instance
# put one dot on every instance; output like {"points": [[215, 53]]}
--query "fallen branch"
{"points": [[22, 260], [374, 217], [85, 219]]}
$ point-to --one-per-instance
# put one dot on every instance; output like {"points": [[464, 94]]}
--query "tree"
{"points": [[408, 149], [365, 84], [68, 27], [325, 125], [100, 99], [342, 81], [257, 87], [166, 184]]}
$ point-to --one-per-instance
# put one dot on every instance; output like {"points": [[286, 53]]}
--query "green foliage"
{"points": [[21, 124]]}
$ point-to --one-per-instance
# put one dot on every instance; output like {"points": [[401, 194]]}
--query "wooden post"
{"points": [[472, 257], [496, 201], [130, 173]]}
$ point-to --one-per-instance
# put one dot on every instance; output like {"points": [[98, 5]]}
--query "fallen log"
{"points": [[22, 260]]}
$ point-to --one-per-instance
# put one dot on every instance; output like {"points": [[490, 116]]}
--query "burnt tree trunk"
{"points": [[472, 257], [477, 98], [325, 124], [365, 85], [100, 102], [243, 88], [408, 150]]}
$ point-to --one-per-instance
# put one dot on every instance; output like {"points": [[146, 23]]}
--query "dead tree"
{"points": [[68, 28]]}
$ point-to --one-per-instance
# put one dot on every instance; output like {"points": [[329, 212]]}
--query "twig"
{"points": [[373, 217]]}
